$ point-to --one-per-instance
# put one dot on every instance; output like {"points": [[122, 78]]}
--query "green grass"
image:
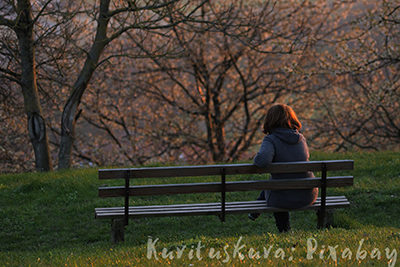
{"points": [[47, 219]]}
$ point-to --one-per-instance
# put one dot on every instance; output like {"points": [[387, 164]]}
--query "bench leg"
{"points": [[117, 230], [328, 218]]}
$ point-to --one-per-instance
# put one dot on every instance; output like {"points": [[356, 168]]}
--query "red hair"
{"points": [[280, 116]]}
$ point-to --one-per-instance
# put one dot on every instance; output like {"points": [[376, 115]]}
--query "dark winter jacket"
{"points": [[286, 145]]}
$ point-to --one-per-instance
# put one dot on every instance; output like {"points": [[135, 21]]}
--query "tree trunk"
{"points": [[69, 117], [219, 130], [71, 110], [36, 122]]}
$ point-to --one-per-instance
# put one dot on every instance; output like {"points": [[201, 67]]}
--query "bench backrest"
{"points": [[231, 169], [223, 170], [228, 169]]}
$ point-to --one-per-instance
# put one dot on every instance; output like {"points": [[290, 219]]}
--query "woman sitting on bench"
{"points": [[283, 143]]}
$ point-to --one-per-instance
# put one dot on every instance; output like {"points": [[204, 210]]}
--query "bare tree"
{"points": [[361, 101], [208, 104], [190, 80], [33, 23], [20, 19]]}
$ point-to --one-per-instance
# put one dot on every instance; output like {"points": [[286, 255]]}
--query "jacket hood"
{"points": [[289, 136]]}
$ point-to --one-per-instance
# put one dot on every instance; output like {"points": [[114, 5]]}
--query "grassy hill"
{"points": [[47, 219]]}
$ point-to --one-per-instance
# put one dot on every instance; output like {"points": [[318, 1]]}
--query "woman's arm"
{"points": [[266, 153]]}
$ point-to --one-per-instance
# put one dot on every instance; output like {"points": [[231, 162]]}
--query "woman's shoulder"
{"points": [[271, 137]]}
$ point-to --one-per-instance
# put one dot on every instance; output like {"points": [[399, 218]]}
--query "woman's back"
{"points": [[286, 145]]}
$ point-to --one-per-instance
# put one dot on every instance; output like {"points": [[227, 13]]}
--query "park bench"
{"points": [[120, 215]]}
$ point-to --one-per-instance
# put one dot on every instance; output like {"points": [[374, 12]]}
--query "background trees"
{"points": [[126, 82], [207, 104], [361, 101], [30, 25]]}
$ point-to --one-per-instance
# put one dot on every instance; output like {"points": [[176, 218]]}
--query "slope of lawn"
{"points": [[47, 219]]}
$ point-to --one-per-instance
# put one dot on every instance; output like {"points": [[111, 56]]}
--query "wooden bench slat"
{"points": [[207, 209], [210, 211], [198, 206], [244, 208], [236, 203], [189, 188], [337, 181], [231, 169], [166, 189]]}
